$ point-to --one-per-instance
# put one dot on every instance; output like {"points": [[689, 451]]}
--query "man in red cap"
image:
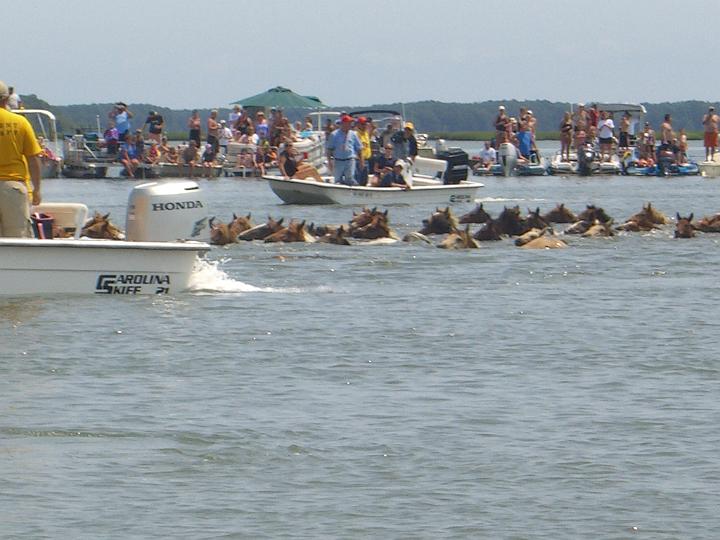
{"points": [[344, 150]]}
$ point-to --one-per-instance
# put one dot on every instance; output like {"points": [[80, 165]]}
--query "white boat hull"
{"points": [[38, 267], [710, 169], [294, 191]]}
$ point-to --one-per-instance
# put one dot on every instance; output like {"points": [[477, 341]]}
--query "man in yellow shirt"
{"points": [[364, 135], [19, 170]]}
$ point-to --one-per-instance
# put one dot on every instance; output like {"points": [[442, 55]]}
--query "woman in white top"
{"points": [[605, 135]]}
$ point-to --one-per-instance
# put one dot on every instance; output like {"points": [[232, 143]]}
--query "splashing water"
{"points": [[208, 278]]}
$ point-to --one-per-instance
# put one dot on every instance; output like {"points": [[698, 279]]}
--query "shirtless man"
{"points": [[710, 123], [666, 130], [581, 122]]}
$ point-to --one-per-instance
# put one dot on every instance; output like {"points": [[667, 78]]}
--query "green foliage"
{"points": [[447, 120]]}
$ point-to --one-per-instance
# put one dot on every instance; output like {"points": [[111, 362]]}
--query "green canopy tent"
{"points": [[281, 97]]}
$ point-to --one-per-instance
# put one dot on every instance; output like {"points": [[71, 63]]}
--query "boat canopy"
{"points": [[636, 108]]}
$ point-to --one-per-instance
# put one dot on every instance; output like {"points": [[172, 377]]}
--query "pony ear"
{"points": [[106, 216], [690, 217], [677, 216], [234, 216]]}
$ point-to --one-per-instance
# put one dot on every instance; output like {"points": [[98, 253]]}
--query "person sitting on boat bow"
{"points": [[292, 167], [395, 177]]}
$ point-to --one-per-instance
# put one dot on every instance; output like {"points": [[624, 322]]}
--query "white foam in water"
{"points": [[207, 277]]}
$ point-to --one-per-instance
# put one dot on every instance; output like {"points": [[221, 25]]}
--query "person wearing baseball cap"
{"points": [[19, 170], [121, 116], [344, 152]]}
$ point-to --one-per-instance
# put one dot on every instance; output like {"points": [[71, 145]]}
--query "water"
{"points": [[394, 391]]}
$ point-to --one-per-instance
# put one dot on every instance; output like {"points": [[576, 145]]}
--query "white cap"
{"points": [[501, 108], [4, 92]]}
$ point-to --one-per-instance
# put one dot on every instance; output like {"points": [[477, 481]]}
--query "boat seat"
{"points": [[69, 216]]}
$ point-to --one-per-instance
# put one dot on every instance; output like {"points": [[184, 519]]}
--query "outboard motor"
{"points": [[458, 161], [665, 160], [167, 212], [585, 157]]}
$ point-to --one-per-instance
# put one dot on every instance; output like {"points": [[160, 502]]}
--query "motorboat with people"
{"points": [[664, 163], [84, 158], [166, 233], [44, 124], [512, 163], [423, 189], [586, 162]]}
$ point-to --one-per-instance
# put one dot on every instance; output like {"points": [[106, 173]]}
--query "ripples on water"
{"points": [[379, 391]]}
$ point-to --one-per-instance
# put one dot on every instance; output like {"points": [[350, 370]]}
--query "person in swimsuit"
{"points": [[710, 123], [292, 167], [566, 128]]}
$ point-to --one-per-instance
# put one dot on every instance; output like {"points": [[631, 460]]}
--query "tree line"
{"points": [[434, 117]]}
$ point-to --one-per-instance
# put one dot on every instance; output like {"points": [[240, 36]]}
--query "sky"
{"points": [[208, 53]]}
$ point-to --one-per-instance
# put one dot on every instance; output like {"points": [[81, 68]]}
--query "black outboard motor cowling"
{"points": [[586, 156], [458, 162]]}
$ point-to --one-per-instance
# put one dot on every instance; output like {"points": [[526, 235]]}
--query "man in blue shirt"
{"points": [[121, 116], [344, 149]]}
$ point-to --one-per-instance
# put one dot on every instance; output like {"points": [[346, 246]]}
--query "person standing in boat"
{"points": [[624, 141], [366, 152], [213, 130], [112, 139], [501, 125], [605, 130], [14, 101], [344, 150], [566, 128], [155, 123], [710, 123], [19, 170], [121, 116], [194, 124]]}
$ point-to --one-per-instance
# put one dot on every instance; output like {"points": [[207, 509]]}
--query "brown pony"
{"points": [[477, 215], [336, 236], [683, 227], [540, 239], [99, 226], [440, 222], [709, 224], [560, 214], [489, 232], [592, 212], [534, 220], [650, 214], [530, 235], [510, 223], [599, 229], [222, 234], [260, 232], [294, 232], [459, 240], [364, 217], [378, 227]]}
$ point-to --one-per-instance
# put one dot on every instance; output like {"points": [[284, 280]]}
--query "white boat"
{"points": [[149, 261], [560, 167], [425, 190], [45, 127], [710, 169]]}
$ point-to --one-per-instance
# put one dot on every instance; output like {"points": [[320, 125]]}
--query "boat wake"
{"points": [[208, 278]]}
